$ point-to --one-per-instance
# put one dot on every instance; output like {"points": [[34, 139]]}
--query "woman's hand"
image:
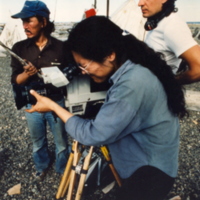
{"points": [[43, 104]]}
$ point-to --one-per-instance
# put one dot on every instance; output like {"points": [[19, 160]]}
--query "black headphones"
{"points": [[152, 22]]}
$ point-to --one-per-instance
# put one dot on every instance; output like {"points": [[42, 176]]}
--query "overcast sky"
{"points": [[72, 10]]}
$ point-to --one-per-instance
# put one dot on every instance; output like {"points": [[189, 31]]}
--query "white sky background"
{"points": [[72, 10]]}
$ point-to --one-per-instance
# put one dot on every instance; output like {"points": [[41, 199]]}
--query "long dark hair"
{"points": [[49, 28], [97, 37]]}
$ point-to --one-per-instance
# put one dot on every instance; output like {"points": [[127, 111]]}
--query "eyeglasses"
{"points": [[84, 68]]}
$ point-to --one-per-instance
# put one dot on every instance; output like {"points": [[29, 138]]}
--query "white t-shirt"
{"points": [[172, 37]]}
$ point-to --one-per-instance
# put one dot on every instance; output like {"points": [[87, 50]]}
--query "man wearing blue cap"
{"points": [[41, 50]]}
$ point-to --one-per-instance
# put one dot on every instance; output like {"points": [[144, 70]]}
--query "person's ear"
{"points": [[111, 57], [44, 22]]}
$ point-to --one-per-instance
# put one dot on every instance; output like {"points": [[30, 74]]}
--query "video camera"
{"points": [[82, 95]]}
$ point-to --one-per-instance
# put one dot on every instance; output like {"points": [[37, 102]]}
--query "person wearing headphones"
{"points": [[167, 33]]}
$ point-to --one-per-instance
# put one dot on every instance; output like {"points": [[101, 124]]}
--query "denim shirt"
{"points": [[134, 122]]}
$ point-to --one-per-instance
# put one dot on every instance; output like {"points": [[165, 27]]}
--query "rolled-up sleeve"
{"points": [[16, 66]]}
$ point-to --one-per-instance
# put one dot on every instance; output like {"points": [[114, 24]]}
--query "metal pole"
{"points": [[95, 4], [55, 11], [107, 8]]}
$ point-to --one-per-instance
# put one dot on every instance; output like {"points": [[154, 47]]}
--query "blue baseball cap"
{"points": [[32, 8]]}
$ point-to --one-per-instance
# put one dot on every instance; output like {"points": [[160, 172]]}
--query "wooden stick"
{"points": [[105, 152], [66, 174], [73, 173], [83, 175], [66, 186]]}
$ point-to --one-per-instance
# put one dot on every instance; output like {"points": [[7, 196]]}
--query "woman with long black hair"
{"points": [[139, 121]]}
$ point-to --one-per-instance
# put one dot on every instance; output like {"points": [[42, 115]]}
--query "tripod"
{"points": [[72, 168]]}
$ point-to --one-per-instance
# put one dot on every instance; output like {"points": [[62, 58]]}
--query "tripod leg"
{"points": [[105, 152], [62, 188], [66, 186], [73, 173], [83, 175]]}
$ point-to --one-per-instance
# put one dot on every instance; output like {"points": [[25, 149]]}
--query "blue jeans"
{"points": [[37, 127]]}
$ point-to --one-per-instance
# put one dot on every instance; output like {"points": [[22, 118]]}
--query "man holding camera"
{"points": [[169, 34], [41, 50]]}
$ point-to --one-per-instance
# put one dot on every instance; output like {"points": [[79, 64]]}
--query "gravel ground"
{"points": [[16, 164]]}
